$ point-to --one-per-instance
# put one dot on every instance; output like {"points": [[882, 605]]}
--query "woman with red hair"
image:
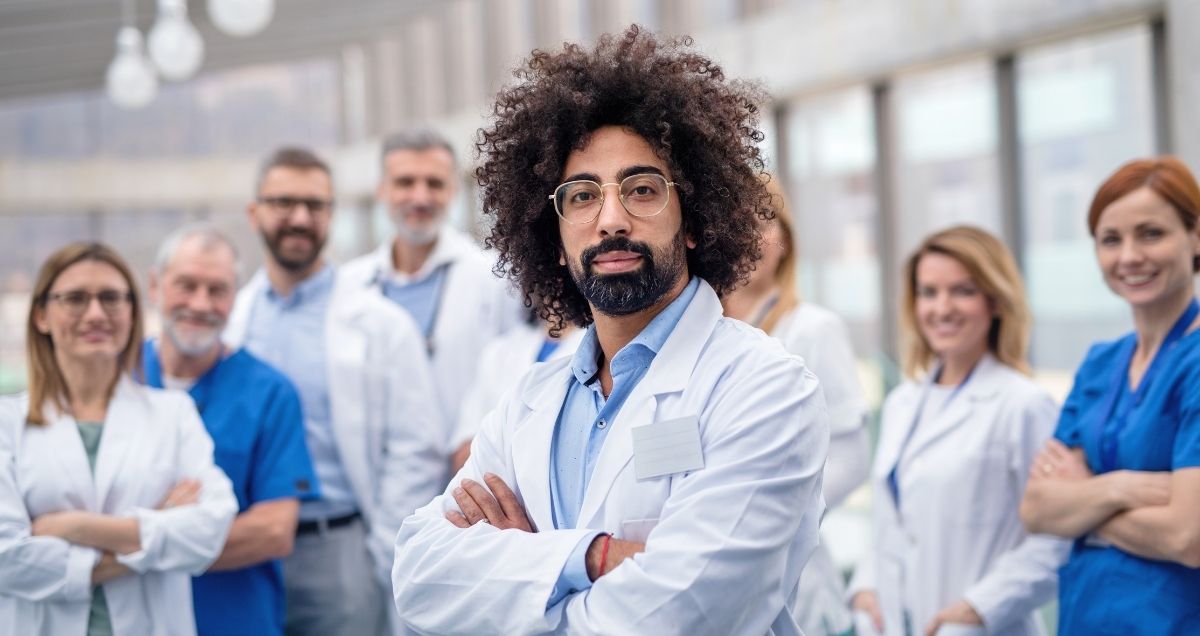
{"points": [[1122, 476]]}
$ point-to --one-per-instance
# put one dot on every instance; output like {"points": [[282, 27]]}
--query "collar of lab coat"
{"points": [[984, 383], [126, 410], [451, 246], [546, 388]]}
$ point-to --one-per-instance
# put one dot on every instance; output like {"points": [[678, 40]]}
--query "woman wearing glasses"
{"points": [[769, 301], [950, 554], [1122, 476], [109, 498]]}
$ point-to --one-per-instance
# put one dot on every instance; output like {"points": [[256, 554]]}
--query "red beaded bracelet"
{"points": [[604, 553]]}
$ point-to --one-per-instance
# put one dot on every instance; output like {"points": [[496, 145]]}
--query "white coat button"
{"points": [[601, 424]]}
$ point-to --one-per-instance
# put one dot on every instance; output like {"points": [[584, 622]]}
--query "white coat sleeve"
{"points": [[482, 396], [190, 537], [1026, 577], [827, 352], [413, 465], [478, 580], [716, 562], [33, 568]]}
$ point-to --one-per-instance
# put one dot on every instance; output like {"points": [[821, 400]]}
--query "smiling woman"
{"points": [[90, 463], [954, 451], [1122, 477]]}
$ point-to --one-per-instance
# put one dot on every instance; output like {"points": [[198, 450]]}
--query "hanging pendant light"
{"points": [[175, 45], [241, 18], [130, 79]]}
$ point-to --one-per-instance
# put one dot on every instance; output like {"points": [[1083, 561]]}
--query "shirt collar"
{"points": [[447, 250], [316, 286], [651, 339]]}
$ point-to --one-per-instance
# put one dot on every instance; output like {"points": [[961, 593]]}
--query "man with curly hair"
{"points": [[666, 479]]}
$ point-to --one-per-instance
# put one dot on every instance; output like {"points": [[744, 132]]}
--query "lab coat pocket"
{"points": [[637, 529]]}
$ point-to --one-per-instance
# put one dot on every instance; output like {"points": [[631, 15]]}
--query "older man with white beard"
{"points": [[253, 414]]}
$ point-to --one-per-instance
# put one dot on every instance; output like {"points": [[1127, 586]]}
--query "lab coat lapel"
{"points": [[346, 355], [668, 373], [533, 441], [63, 436], [902, 412], [126, 412], [958, 410]]}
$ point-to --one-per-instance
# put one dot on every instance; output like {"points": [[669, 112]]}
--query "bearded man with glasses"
{"points": [[359, 364], [667, 478]]}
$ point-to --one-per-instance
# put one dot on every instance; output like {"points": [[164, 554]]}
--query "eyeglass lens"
{"points": [[641, 194]]}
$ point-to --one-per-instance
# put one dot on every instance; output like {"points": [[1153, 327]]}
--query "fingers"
{"points": [[934, 624], [509, 504], [876, 617], [485, 500], [466, 503], [1057, 449], [456, 518]]}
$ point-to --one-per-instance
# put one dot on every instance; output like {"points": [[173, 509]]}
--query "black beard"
{"points": [[274, 245], [630, 292]]}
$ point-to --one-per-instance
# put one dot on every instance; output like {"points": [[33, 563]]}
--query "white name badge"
{"points": [[665, 448]]}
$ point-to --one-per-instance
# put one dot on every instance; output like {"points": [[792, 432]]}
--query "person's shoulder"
{"points": [[815, 317], [1101, 355], [737, 343], [14, 411], [250, 371], [361, 267]]}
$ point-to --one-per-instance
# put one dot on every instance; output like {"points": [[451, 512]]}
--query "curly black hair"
{"points": [[704, 126]]}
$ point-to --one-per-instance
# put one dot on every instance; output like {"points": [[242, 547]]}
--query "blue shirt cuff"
{"points": [[574, 577]]}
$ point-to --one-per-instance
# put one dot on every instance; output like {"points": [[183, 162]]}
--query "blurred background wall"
{"points": [[890, 119]]}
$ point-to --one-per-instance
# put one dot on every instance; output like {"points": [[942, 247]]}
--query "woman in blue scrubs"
{"points": [[1122, 476]]}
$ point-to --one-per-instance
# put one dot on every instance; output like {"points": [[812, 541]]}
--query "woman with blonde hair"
{"points": [[770, 301], [109, 498], [956, 442], [1122, 476]]}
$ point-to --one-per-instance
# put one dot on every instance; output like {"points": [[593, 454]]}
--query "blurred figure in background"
{"points": [[956, 442], [1122, 476], [769, 301], [435, 272], [109, 498], [502, 363], [253, 414], [359, 364]]}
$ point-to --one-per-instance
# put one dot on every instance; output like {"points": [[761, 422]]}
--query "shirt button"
{"points": [[601, 424]]}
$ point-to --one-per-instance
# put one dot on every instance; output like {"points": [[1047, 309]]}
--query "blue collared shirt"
{"points": [[586, 418], [288, 332], [421, 298]]}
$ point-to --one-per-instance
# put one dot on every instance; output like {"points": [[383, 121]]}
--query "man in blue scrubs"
{"points": [[252, 413]]}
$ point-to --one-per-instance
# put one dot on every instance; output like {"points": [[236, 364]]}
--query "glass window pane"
{"points": [[946, 164], [1084, 107], [830, 182]]}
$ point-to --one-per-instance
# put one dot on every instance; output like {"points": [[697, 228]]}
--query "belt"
{"points": [[321, 525]]}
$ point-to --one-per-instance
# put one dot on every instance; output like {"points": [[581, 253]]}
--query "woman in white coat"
{"points": [[769, 301], [109, 498], [950, 554]]}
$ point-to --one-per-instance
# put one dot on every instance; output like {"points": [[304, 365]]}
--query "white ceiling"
{"points": [[49, 46]]}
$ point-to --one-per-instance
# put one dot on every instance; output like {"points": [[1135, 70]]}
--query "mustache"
{"points": [[296, 231], [207, 318], [613, 244]]}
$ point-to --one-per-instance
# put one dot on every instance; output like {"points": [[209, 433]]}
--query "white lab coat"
{"points": [[820, 337], [501, 366], [957, 534], [152, 440], [725, 544], [387, 428], [475, 307]]}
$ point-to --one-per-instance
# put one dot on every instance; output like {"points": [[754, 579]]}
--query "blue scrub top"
{"points": [[253, 414], [1104, 590]]}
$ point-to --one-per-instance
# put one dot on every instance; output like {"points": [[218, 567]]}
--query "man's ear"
{"points": [[152, 282]]}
